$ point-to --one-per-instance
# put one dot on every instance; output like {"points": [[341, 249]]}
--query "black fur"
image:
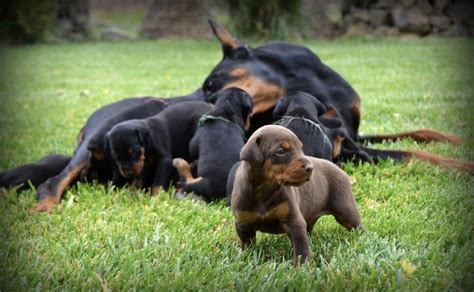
{"points": [[299, 112], [35, 173], [217, 143], [161, 137], [101, 120]]}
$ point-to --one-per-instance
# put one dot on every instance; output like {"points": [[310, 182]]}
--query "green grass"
{"points": [[101, 237]]}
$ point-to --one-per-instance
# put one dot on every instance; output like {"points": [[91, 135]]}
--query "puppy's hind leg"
{"points": [[200, 186], [347, 215], [184, 171]]}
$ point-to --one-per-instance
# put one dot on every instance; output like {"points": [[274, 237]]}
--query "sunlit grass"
{"points": [[102, 237]]}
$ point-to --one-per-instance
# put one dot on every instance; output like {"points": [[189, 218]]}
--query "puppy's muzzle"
{"points": [[128, 171], [299, 171]]}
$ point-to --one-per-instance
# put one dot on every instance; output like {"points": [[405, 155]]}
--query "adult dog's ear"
{"points": [[280, 108], [231, 47], [251, 151]]}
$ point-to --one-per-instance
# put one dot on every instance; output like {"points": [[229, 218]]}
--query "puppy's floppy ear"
{"points": [[319, 106], [143, 136], [247, 104], [97, 146], [280, 108], [251, 151]]}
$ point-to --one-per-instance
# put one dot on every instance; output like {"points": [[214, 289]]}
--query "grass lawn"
{"points": [[100, 237]]}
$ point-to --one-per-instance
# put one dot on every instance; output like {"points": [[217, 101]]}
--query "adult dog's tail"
{"points": [[407, 155]]}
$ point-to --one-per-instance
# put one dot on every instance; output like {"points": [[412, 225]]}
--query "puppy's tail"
{"points": [[407, 155], [420, 135]]}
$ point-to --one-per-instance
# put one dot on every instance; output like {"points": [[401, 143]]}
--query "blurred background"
{"points": [[118, 20]]}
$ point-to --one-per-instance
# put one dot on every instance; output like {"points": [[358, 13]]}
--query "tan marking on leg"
{"points": [[194, 180], [73, 174], [421, 135], [337, 146], [47, 204], [80, 137], [444, 162], [183, 169]]}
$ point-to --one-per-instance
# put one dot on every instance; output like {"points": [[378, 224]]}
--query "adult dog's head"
{"points": [[244, 68], [276, 153]]}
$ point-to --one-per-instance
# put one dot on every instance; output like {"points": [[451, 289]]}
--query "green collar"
{"points": [[205, 118]]}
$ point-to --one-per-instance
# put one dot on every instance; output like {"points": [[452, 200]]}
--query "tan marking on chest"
{"points": [[279, 212]]}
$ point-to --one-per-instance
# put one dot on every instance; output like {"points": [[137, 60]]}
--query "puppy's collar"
{"points": [[205, 118], [289, 119]]}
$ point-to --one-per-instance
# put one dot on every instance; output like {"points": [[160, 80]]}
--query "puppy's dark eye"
{"points": [[280, 152]]}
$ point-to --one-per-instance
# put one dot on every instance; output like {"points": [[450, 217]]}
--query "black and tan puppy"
{"points": [[216, 144], [321, 131], [277, 189], [300, 112], [100, 165], [50, 192], [35, 173], [142, 150]]}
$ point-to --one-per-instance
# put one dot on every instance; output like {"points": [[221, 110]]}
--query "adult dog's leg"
{"points": [[50, 192], [421, 135], [407, 155]]}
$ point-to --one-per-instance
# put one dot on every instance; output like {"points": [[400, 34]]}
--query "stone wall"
{"points": [[336, 18]]}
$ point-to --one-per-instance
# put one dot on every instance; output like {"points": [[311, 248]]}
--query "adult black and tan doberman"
{"points": [[273, 69]]}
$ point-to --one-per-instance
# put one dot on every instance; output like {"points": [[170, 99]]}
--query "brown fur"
{"points": [[279, 191], [441, 161], [80, 137], [421, 135], [336, 147], [264, 94], [47, 204]]}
